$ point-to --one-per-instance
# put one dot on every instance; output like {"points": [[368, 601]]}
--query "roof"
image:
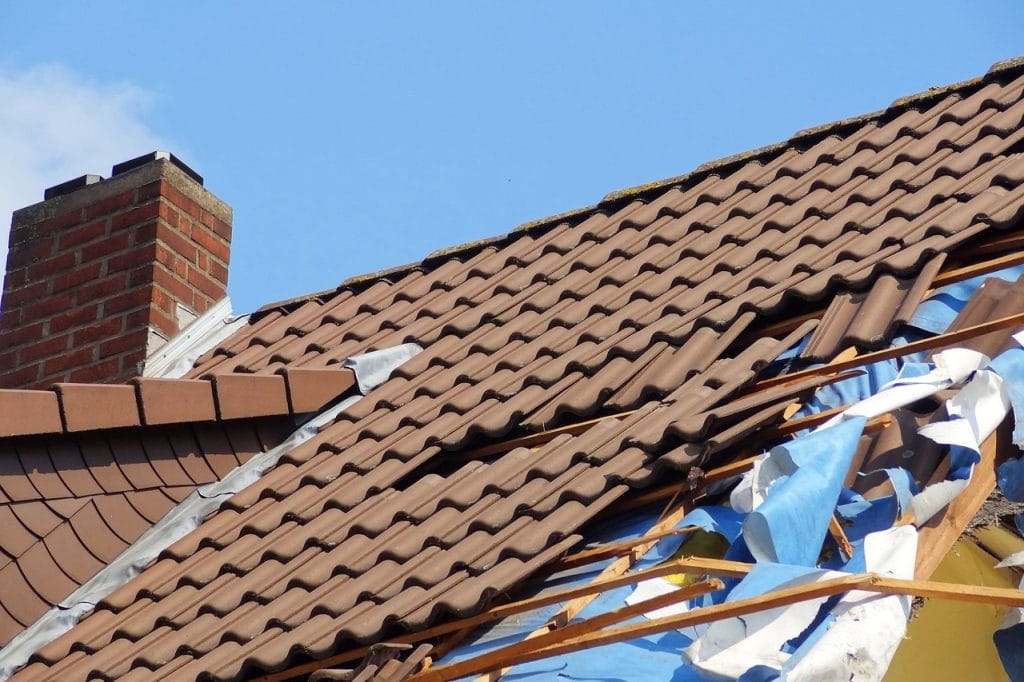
{"points": [[620, 345], [87, 469]]}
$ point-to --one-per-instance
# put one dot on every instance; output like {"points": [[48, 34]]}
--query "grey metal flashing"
{"points": [[176, 357]]}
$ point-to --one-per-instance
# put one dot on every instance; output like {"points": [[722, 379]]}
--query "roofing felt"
{"points": [[656, 301]]}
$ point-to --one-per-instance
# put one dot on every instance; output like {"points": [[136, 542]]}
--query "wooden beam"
{"points": [[983, 268], [835, 529], [937, 535], [551, 645], [931, 343], [589, 556]]}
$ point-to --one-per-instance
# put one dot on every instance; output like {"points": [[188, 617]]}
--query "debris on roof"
{"points": [[731, 424]]}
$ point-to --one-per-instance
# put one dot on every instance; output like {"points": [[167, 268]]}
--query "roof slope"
{"points": [[86, 469], [659, 300]]}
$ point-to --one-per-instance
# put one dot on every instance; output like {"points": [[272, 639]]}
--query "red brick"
{"points": [[15, 278], [59, 223], [67, 280], [20, 235], [104, 371], [32, 292], [24, 377], [162, 300], [10, 318], [171, 216], [129, 341], [202, 260], [219, 227], [110, 204], [46, 268], [30, 252], [163, 323], [140, 255], [204, 284], [82, 234], [74, 318], [144, 233], [165, 256], [129, 300], [43, 349], [140, 277], [9, 360], [65, 361], [153, 189], [113, 284], [176, 243], [20, 335], [97, 332], [47, 307], [211, 243], [112, 244], [218, 272], [178, 289], [182, 202], [135, 216]]}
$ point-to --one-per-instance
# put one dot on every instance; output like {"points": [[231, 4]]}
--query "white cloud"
{"points": [[56, 124]]}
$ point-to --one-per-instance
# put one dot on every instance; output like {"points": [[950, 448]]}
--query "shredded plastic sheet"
{"points": [[791, 523], [1009, 640], [826, 638], [185, 517]]}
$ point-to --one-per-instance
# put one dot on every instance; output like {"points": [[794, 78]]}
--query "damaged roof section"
{"points": [[641, 354]]}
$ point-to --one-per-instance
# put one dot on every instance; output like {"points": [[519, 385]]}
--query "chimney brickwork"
{"points": [[102, 272]]}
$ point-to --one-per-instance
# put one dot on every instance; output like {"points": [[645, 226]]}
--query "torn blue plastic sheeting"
{"points": [[1010, 366], [938, 311], [716, 519], [1010, 477], [1009, 643], [854, 389], [790, 525]]}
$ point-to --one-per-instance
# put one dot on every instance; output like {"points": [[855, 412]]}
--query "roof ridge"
{"points": [[613, 200], [150, 401]]}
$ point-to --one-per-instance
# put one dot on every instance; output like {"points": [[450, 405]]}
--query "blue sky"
{"points": [[352, 137]]}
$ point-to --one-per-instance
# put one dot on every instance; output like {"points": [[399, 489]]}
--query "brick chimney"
{"points": [[103, 272]]}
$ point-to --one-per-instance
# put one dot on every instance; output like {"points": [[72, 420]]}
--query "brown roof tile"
{"points": [[87, 407], [74, 502], [649, 304], [170, 401], [24, 413]]}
